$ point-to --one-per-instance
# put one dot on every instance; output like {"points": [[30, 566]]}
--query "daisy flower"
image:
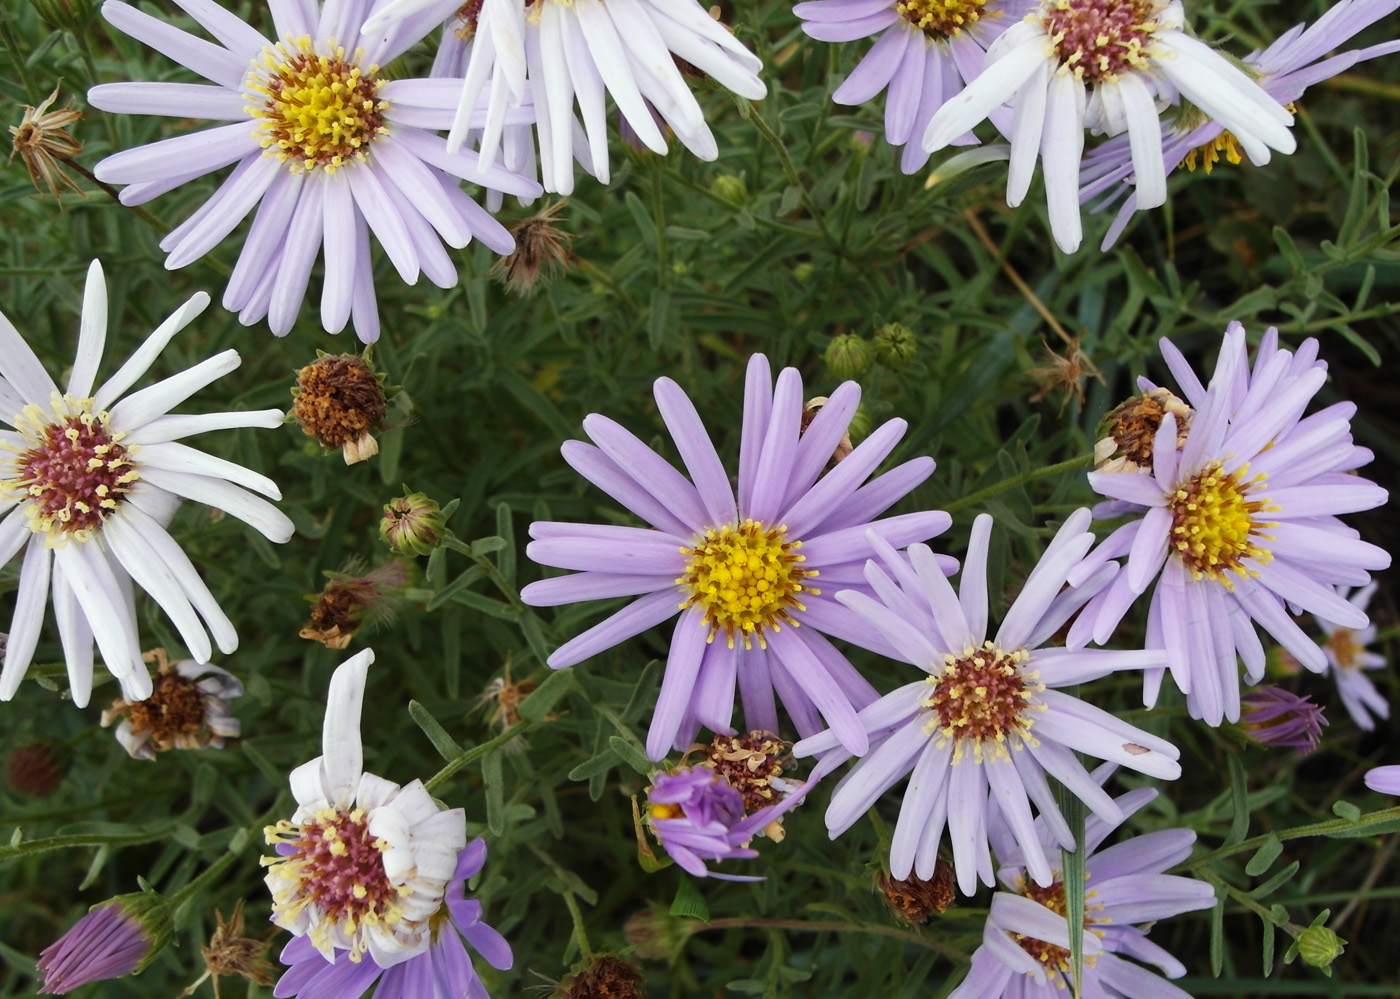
{"points": [[1104, 65], [363, 865], [444, 969], [926, 51], [1347, 657], [88, 481], [986, 719], [1239, 523], [752, 575], [323, 144], [1285, 70], [697, 816], [1025, 942], [555, 53]]}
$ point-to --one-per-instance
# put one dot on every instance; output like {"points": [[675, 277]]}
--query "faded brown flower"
{"points": [[1065, 373], [915, 899], [349, 601], [40, 140], [231, 953], [750, 763], [607, 977], [1128, 433], [187, 709], [541, 251], [810, 410], [339, 401]]}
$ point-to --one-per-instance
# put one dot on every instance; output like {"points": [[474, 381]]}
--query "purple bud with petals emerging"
{"points": [[1274, 717], [116, 938]]}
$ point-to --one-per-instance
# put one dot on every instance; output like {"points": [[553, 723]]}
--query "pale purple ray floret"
{"points": [[323, 146], [1238, 525], [978, 735], [698, 816], [925, 53], [1285, 70], [1025, 941], [1386, 780], [751, 574], [1348, 658]]}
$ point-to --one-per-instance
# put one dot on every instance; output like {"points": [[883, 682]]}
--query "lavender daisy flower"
{"points": [[1272, 716], [1347, 657], [363, 864], [555, 53], [1238, 523], [111, 941], [443, 969], [1285, 70], [325, 147], [88, 481], [926, 51], [751, 576], [1386, 780], [697, 816], [1104, 65], [987, 718], [1025, 943]]}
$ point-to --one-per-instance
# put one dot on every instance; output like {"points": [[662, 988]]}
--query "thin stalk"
{"points": [[972, 499], [468, 756]]}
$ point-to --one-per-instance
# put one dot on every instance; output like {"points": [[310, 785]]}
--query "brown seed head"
{"points": [[1064, 373], [231, 953], [340, 402], [915, 899], [749, 763], [348, 602], [1128, 433], [183, 711], [541, 252], [35, 769], [40, 140], [607, 977]]}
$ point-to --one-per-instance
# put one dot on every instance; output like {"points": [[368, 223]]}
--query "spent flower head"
{"points": [[41, 141], [339, 401], [188, 709], [542, 251], [352, 600]]}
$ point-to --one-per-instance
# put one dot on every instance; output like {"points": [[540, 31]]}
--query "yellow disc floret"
{"points": [[1216, 524], [983, 700], [940, 18], [1054, 959], [315, 110], [745, 579]]}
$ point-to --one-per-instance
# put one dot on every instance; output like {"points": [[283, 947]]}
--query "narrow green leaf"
{"points": [[658, 317], [689, 903], [1350, 229], [485, 546], [1268, 949], [1264, 857], [1280, 877], [437, 568], [1217, 937], [492, 773], [1239, 801], [450, 591], [445, 745], [546, 695], [534, 636], [505, 527], [599, 764], [485, 604], [630, 753], [1286, 246], [645, 224], [1346, 810]]}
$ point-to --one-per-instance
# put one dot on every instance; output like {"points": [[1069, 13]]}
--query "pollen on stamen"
{"points": [[1217, 523], [983, 700], [746, 580], [1096, 40], [941, 18]]}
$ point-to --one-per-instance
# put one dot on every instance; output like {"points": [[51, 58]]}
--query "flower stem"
{"points": [[450, 540], [475, 753], [579, 933], [1382, 818], [1083, 461]]}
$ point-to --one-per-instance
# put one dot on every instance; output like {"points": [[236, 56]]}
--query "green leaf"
{"points": [[630, 753], [546, 695], [1264, 857], [1239, 801], [505, 527], [1346, 810], [645, 223], [1217, 937], [485, 546], [450, 591], [445, 745], [689, 903], [599, 764], [492, 773], [1280, 877]]}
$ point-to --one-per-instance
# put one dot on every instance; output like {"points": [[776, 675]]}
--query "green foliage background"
{"points": [[669, 277]]}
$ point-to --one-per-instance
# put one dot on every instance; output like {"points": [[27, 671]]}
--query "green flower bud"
{"points": [[847, 356], [730, 188], [1319, 947], [412, 524], [896, 346], [803, 272], [859, 427], [66, 15]]}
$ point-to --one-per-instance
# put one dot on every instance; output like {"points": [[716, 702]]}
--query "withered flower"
{"points": [[231, 953], [40, 140], [339, 401], [351, 600], [1066, 373], [809, 413], [914, 899], [188, 709], [1127, 433], [606, 977], [541, 251], [750, 763]]}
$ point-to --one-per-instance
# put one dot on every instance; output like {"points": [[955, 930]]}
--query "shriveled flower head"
{"points": [[363, 865], [605, 977], [925, 52], [40, 140], [1238, 525], [88, 481], [231, 953], [914, 899], [324, 145], [752, 764], [1284, 71], [189, 709], [697, 816], [1129, 433], [352, 600], [116, 938], [1105, 66], [444, 968], [339, 402], [987, 719], [752, 574], [1025, 943], [1348, 657], [541, 252], [560, 54], [1272, 716], [36, 768]]}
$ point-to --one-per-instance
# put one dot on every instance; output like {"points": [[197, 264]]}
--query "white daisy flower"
{"points": [[364, 864], [556, 52], [323, 145], [88, 481], [1109, 66]]}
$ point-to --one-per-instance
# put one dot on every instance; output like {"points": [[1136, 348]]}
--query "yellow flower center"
{"points": [[1345, 648], [658, 811], [1056, 960], [1215, 523], [940, 18], [69, 466], [336, 865], [1098, 39], [745, 579], [315, 110], [982, 700]]}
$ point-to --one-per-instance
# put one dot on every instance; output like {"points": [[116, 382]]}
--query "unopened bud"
{"points": [[412, 524], [1319, 947], [728, 187], [895, 346], [848, 356]]}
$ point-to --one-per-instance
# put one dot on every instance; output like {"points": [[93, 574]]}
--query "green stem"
{"points": [[658, 211], [208, 875], [27, 848], [1216, 881], [972, 499], [115, 195], [752, 114], [450, 540], [471, 755], [1298, 832], [579, 933]]}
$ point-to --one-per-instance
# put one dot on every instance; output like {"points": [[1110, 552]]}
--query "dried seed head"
{"points": [[35, 769], [350, 601], [606, 977], [231, 953], [915, 899], [339, 401], [749, 763], [187, 709], [40, 140], [542, 252], [1065, 373], [1127, 434]]}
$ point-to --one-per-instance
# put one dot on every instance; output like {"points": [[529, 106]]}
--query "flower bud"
{"points": [[848, 356], [117, 937], [1319, 947], [1272, 716], [728, 187], [895, 346], [412, 524]]}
